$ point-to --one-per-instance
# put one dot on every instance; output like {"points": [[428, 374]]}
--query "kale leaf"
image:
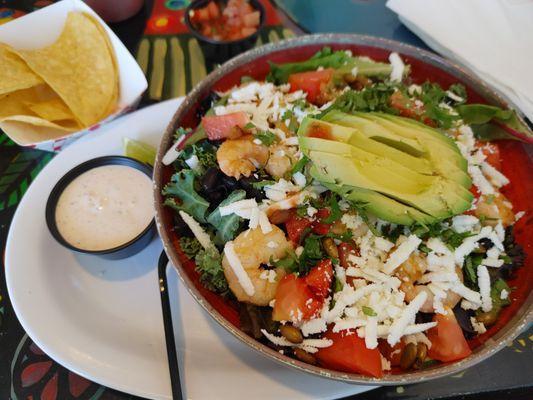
{"points": [[181, 186], [226, 226], [190, 246], [209, 266]]}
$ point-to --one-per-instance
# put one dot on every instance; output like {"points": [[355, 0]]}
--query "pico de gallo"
{"points": [[233, 21], [355, 218]]}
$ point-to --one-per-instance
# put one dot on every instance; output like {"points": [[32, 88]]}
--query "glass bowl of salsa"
{"points": [[225, 28]]}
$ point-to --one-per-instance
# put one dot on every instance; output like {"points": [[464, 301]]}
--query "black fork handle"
{"points": [[173, 366]]}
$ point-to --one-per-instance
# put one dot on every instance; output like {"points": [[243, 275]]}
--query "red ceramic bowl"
{"points": [[517, 165]]}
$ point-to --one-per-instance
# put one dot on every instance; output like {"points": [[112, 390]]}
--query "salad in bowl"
{"points": [[346, 214]]}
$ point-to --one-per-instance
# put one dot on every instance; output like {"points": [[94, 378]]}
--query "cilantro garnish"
{"points": [[266, 137], [299, 165], [369, 311]]}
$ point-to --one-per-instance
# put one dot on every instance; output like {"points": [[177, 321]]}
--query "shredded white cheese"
{"points": [[397, 67], [235, 263], [484, 288], [401, 254], [398, 327], [197, 231]]}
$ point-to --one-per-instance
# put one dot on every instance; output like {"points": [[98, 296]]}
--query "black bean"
{"points": [[206, 103], [463, 319], [422, 318], [210, 179], [180, 227], [251, 192], [486, 243]]}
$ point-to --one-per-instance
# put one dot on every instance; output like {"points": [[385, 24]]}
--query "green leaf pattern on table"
{"points": [[173, 64], [17, 170]]}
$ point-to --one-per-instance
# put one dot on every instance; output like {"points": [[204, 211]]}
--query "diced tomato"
{"points": [[213, 10], [447, 340], [296, 227], [345, 251], [251, 20], [348, 353], [320, 277], [295, 300], [223, 126], [311, 82], [492, 155], [200, 15], [321, 228], [247, 31], [391, 353], [409, 109]]}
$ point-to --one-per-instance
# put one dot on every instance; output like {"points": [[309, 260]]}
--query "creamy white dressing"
{"points": [[105, 207]]}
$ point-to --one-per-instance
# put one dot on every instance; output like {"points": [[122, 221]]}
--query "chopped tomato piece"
{"points": [[492, 155], [345, 251], [348, 353], [409, 109], [213, 10], [321, 228], [320, 277], [296, 227], [391, 353], [311, 82], [295, 300], [224, 126], [251, 20], [447, 340]]}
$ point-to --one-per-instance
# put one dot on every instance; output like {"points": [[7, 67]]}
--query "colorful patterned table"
{"points": [[173, 64]]}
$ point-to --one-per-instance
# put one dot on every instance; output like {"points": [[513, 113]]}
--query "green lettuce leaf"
{"points": [[491, 122], [209, 266], [227, 225], [181, 186]]}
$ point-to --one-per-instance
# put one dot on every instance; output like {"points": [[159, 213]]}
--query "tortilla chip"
{"points": [[15, 74], [79, 67], [24, 129], [40, 101]]}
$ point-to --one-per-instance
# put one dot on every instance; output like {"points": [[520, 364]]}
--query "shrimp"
{"points": [[255, 249], [241, 157], [411, 271], [280, 160], [493, 208]]}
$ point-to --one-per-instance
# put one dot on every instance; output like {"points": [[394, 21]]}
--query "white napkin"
{"points": [[494, 38]]}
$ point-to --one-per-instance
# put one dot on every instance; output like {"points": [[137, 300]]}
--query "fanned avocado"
{"points": [[402, 134], [428, 137], [410, 174], [382, 206], [375, 131], [354, 137], [437, 199]]}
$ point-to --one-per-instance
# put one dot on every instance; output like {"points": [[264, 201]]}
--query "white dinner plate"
{"points": [[102, 319]]}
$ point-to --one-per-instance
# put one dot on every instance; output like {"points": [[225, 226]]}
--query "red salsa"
{"points": [[237, 20]]}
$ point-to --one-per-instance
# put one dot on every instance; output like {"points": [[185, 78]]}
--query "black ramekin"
{"points": [[216, 51], [125, 250]]}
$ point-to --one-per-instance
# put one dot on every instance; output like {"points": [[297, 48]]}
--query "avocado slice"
{"points": [[354, 137], [376, 203], [428, 137], [439, 150], [437, 200], [376, 132], [372, 166], [403, 172]]}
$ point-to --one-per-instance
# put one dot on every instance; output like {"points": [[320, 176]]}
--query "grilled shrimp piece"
{"points": [[255, 249], [411, 271], [241, 157], [494, 207], [281, 160]]}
